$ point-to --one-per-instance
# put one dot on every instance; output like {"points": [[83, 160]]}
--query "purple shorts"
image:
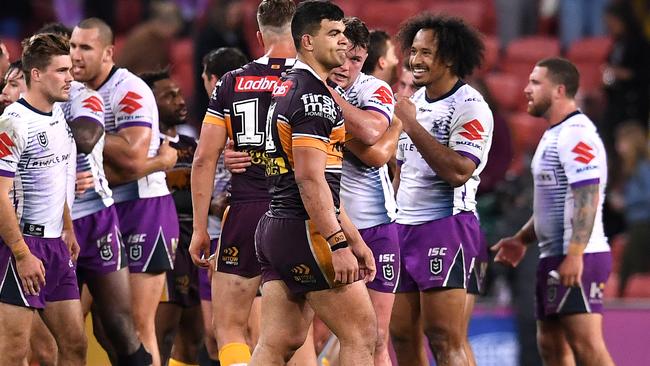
{"points": [[554, 299], [476, 283], [437, 254], [150, 231], [60, 275], [182, 282], [384, 243], [236, 249], [205, 287], [99, 237], [293, 251]]}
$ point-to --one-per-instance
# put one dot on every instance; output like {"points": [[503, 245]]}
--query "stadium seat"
{"points": [[507, 91], [473, 12], [591, 76], [182, 54], [611, 287], [526, 131], [491, 55], [523, 53], [638, 286], [593, 49], [350, 7], [387, 15], [13, 47]]}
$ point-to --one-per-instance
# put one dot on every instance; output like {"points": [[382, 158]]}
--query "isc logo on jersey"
{"points": [[319, 105], [247, 84]]}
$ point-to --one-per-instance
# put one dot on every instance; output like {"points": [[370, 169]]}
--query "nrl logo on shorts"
{"points": [[435, 266], [135, 252], [389, 272], [42, 139], [105, 252]]}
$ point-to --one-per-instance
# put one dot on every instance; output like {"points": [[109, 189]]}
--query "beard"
{"points": [[539, 109]]}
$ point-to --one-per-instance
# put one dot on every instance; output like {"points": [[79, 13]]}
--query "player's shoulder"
{"points": [[372, 86], [466, 94], [576, 124], [128, 82], [13, 119]]}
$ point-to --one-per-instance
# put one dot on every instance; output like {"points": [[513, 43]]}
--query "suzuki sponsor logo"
{"points": [[130, 102], [583, 152], [473, 130], [5, 144], [93, 103]]}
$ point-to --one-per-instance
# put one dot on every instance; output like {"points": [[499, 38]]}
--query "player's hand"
{"points": [[570, 271], [235, 161], [200, 248], [218, 204], [405, 110], [84, 182], [510, 251], [70, 240], [346, 266], [31, 272], [167, 154], [367, 268]]}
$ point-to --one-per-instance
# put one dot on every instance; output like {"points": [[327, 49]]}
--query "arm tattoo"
{"points": [[585, 204]]}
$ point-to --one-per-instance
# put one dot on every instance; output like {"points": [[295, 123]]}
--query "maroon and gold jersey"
{"points": [[303, 113], [239, 103]]}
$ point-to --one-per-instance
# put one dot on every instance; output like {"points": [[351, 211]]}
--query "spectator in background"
{"points": [[4, 59], [223, 27], [634, 198], [382, 62], [515, 18], [626, 77], [580, 18], [13, 84], [148, 46]]}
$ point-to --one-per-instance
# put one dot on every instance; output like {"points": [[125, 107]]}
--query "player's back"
{"points": [[36, 150], [240, 103], [129, 102]]}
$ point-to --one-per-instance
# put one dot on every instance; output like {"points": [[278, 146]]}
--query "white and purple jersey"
{"points": [[461, 120], [36, 150], [87, 104], [569, 155], [366, 191], [221, 184], [129, 102]]}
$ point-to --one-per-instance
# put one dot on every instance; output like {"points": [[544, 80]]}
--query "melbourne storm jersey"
{"points": [[461, 120], [367, 191], [87, 104], [569, 155], [240, 103], [37, 149], [303, 113], [129, 102]]}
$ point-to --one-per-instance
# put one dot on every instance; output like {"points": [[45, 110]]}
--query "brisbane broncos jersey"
{"points": [[302, 114], [239, 103]]}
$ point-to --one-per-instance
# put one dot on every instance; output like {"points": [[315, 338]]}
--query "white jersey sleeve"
{"points": [[13, 141], [579, 150], [133, 104], [84, 103], [378, 97], [472, 132]]}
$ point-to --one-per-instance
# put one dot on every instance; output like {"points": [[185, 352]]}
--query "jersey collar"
{"points": [[574, 113], [301, 65], [455, 88], [265, 60]]}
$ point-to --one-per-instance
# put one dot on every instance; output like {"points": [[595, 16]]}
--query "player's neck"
{"points": [[559, 111], [320, 69], [38, 100], [280, 49], [101, 77], [441, 86], [169, 131]]}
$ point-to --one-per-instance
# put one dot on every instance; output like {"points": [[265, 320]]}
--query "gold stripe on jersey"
{"points": [[321, 252], [214, 120]]}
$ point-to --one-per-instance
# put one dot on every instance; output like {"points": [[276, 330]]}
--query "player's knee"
{"points": [[444, 338], [382, 339], [74, 347], [549, 345], [13, 352], [362, 334], [586, 347]]}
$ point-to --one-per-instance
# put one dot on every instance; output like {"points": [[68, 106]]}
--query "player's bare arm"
{"points": [[366, 126], [30, 269], [381, 152], [317, 198], [86, 133], [68, 235], [449, 165], [204, 166], [125, 155], [367, 269], [585, 205]]}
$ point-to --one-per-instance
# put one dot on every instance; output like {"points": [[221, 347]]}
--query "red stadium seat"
{"points": [[182, 54], [13, 47], [638, 286], [507, 91], [594, 49], [523, 53], [591, 76], [349, 7], [473, 12], [387, 15], [491, 55], [526, 131]]}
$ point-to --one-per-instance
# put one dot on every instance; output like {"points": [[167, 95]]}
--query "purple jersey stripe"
{"points": [[6, 173], [371, 108], [473, 158], [585, 182], [134, 124]]}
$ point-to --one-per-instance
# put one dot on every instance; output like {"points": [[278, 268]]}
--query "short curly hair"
{"points": [[458, 43]]}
